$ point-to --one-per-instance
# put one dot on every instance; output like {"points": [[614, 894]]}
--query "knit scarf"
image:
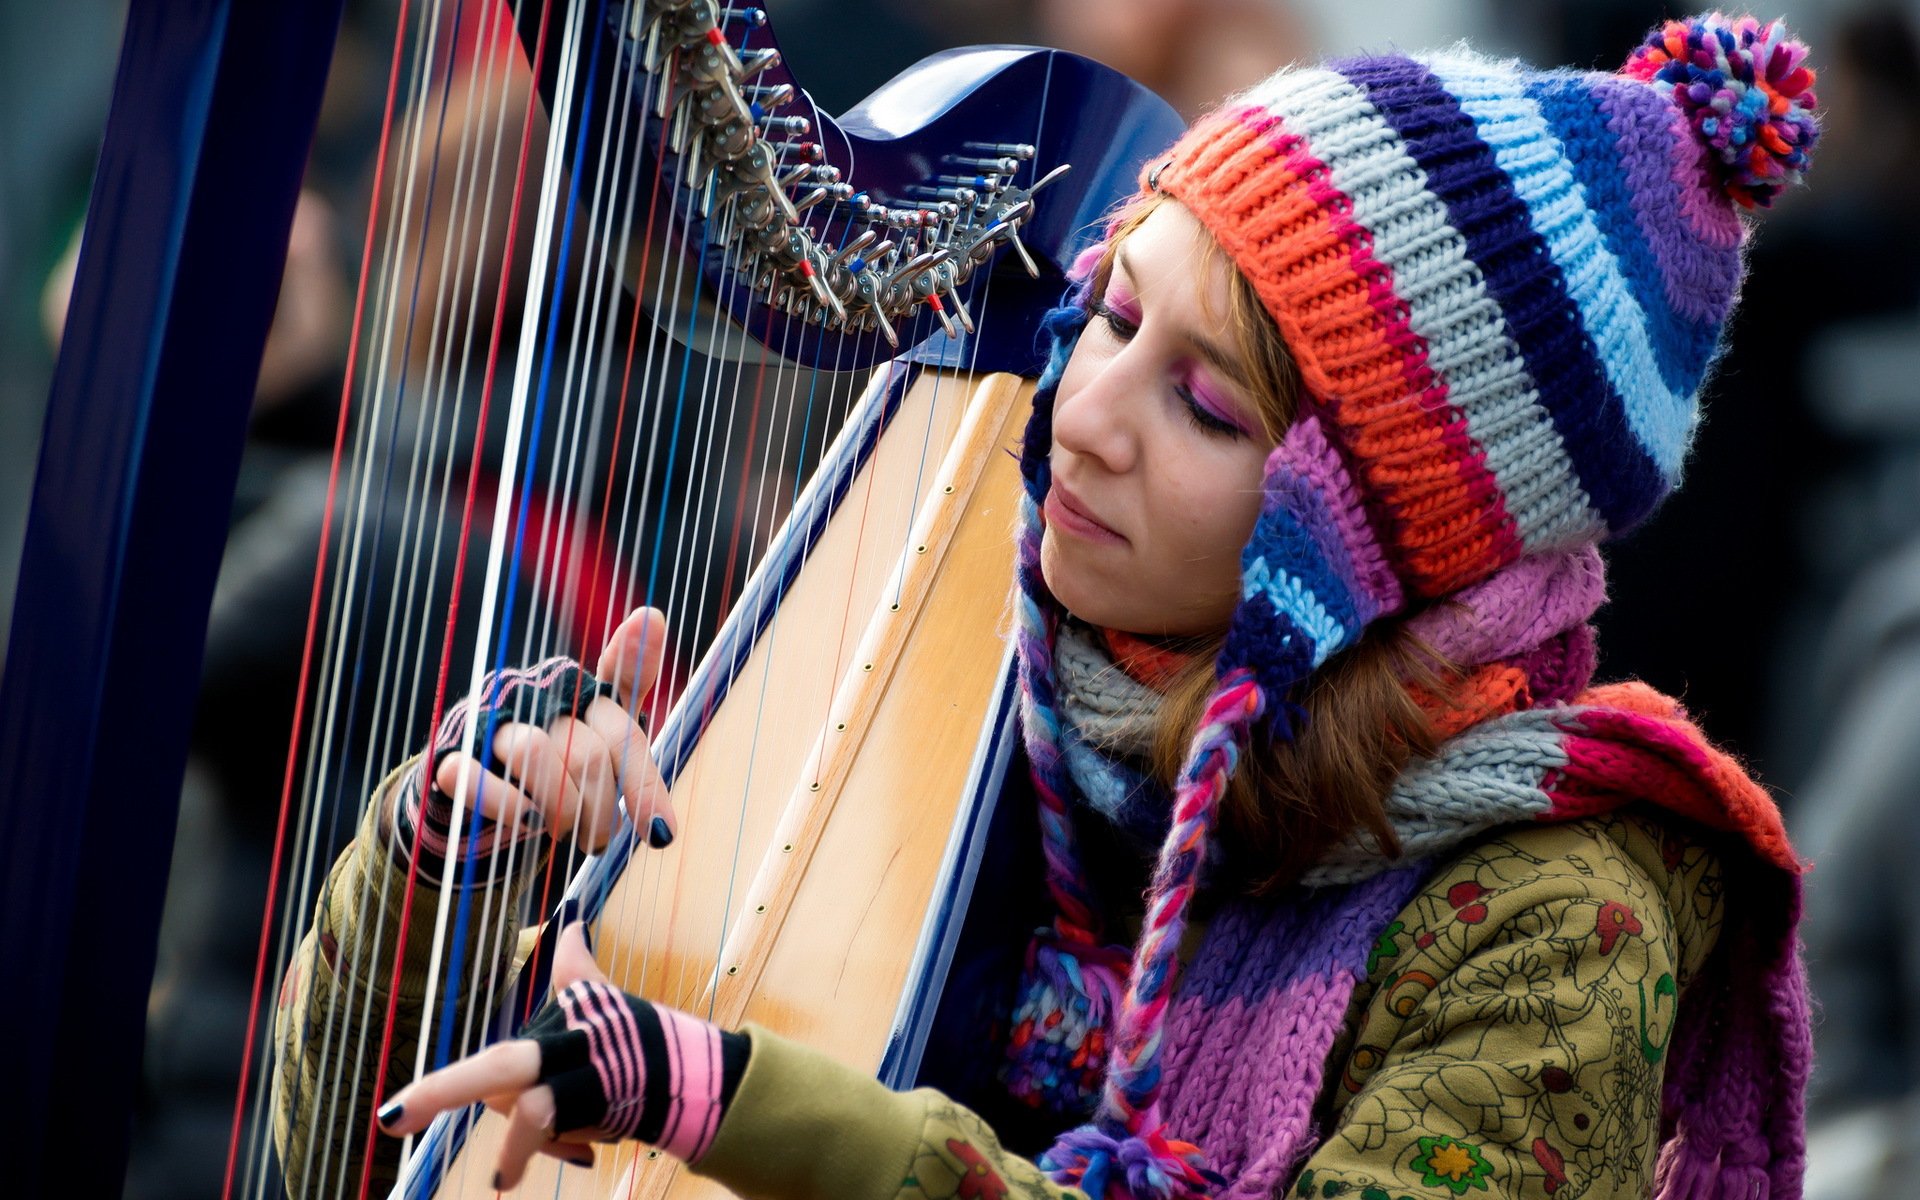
{"points": [[1526, 740]]}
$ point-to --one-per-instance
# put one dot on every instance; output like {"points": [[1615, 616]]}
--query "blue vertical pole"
{"points": [[213, 114]]}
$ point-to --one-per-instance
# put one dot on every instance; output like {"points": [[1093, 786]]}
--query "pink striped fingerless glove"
{"points": [[625, 1068]]}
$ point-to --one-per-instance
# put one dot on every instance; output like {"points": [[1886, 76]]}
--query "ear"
{"points": [[573, 961]]}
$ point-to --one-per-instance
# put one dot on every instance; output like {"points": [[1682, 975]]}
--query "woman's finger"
{"points": [[528, 1129], [573, 960], [592, 820], [578, 1154], [632, 657], [495, 797], [632, 755], [536, 760], [504, 1068]]}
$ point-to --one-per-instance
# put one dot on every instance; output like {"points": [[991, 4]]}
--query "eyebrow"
{"points": [[1226, 363]]}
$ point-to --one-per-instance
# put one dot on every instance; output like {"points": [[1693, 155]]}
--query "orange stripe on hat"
{"points": [[1267, 200]]}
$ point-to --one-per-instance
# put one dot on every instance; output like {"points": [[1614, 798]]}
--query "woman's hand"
{"points": [[565, 774], [597, 1065]]}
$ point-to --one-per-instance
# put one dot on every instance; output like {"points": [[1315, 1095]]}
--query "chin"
{"points": [[1084, 598]]}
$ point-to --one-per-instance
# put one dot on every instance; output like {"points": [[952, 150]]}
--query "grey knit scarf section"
{"points": [[1480, 779], [1107, 730]]}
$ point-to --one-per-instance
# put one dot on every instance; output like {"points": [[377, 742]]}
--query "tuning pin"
{"points": [[793, 127], [1019, 150], [755, 61], [989, 166]]}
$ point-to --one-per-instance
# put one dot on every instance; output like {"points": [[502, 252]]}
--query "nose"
{"points": [[1095, 412]]}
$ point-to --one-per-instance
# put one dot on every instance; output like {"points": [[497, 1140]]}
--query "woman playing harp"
{"points": [[1355, 884]]}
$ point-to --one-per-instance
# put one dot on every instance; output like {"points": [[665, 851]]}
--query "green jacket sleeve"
{"points": [[1514, 1045], [333, 1004], [803, 1126]]}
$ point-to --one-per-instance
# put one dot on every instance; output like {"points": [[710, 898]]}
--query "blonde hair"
{"points": [[1290, 801]]}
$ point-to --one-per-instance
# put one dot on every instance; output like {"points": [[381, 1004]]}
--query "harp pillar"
{"points": [[206, 143]]}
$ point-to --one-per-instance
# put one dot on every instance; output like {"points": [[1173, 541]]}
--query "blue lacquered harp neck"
{"points": [[689, 180]]}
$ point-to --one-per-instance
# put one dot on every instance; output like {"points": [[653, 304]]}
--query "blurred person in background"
{"points": [[1847, 679]]}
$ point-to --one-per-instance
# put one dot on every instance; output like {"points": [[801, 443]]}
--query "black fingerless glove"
{"points": [[536, 695]]}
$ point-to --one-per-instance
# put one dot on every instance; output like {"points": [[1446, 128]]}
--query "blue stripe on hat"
{"points": [[1616, 472], [1682, 347], [1535, 162]]}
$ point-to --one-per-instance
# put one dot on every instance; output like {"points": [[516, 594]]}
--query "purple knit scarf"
{"points": [[1253, 1024]]}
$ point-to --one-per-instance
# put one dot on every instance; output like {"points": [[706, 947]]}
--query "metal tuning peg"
{"points": [[1049, 177]]}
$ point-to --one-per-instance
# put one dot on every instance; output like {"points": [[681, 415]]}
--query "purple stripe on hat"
{"points": [[1699, 267], [1341, 524], [1614, 469], [1682, 347]]}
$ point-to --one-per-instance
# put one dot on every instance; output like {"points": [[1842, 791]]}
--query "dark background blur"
{"points": [[1778, 593]]}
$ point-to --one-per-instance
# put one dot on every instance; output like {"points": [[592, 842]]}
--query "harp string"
{"points": [[500, 592], [306, 656], [445, 659], [456, 250], [349, 1065], [435, 396]]}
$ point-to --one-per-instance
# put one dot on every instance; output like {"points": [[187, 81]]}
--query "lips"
{"points": [[1068, 512]]}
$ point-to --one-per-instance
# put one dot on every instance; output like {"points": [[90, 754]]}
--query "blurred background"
{"points": [[1778, 593]]}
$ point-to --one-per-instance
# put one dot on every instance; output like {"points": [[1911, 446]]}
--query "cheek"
{"points": [[1217, 502]]}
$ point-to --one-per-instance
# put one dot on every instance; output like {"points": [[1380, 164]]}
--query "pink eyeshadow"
{"points": [[1208, 399]]}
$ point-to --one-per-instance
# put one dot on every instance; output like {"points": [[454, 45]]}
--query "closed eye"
{"points": [[1204, 419], [1119, 325]]}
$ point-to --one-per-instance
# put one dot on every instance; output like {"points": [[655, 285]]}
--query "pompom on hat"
{"points": [[1503, 289]]}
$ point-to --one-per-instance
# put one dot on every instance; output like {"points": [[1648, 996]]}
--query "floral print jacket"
{"points": [[1508, 1042]]}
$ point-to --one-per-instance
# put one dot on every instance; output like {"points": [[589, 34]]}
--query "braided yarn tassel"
{"points": [[1124, 1153]]}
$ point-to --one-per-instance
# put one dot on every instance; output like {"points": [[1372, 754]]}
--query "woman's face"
{"points": [[1158, 447]]}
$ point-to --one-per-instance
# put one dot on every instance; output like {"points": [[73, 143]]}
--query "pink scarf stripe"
{"points": [[1626, 742]]}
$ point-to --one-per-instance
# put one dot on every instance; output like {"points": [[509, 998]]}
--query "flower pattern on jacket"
{"points": [[1511, 1036]]}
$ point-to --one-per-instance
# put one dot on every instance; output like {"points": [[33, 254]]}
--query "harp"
{"points": [[689, 183]]}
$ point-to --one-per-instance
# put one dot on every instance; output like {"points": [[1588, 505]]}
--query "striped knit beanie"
{"points": [[1503, 288]]}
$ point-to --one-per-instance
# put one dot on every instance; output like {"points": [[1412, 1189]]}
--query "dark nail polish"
{"points": [[658, 835], [582, 1160], [391, 1112], [529, 817], [496, 1181]]}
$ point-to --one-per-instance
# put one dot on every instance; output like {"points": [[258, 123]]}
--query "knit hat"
{"points": [[1503, 289]]}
